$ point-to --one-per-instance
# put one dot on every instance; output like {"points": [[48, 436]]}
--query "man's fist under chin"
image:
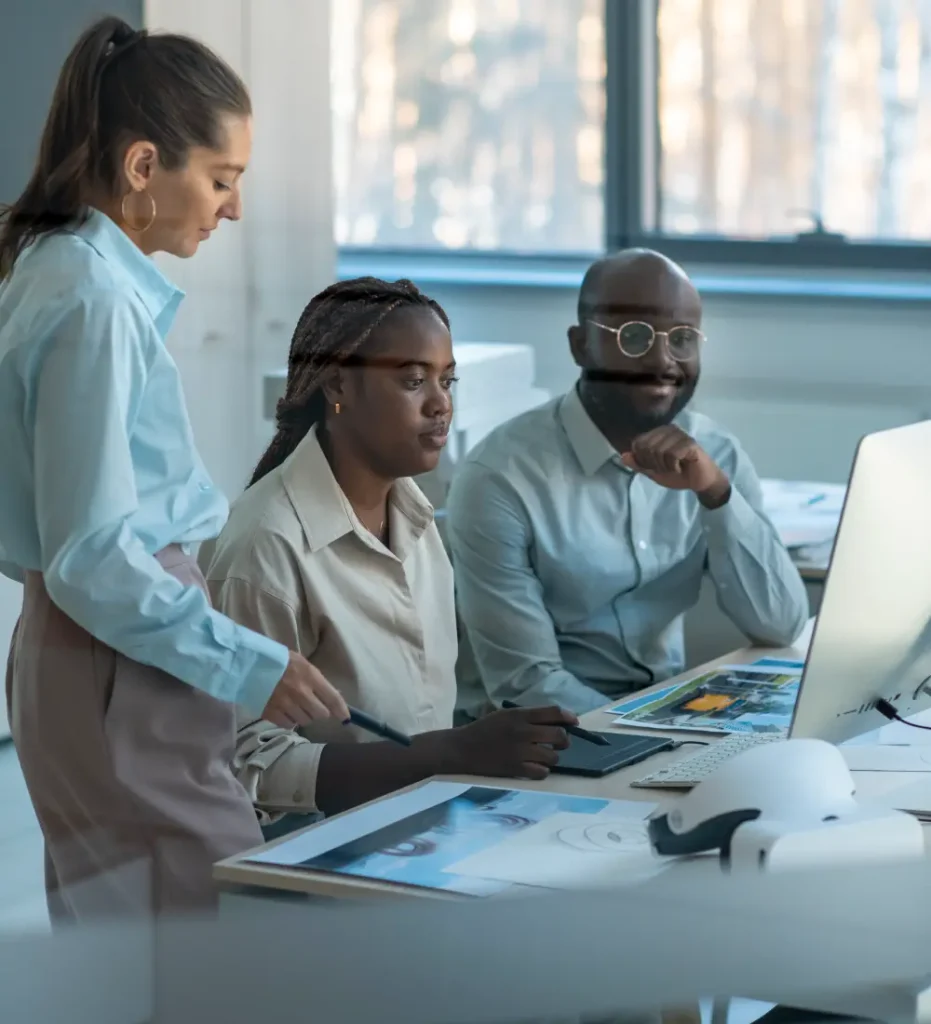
{"points": [[670, 458]]}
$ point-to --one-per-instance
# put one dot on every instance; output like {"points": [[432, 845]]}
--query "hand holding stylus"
{"points": [[573, 730]]}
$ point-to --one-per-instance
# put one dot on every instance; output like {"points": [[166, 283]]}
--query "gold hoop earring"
{"points": [[125, 216], [336, 409]]}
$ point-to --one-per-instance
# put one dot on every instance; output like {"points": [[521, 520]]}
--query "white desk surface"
{"points": [[236, 871]]}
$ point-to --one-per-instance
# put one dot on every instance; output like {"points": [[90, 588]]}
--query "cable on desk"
{"points": [[692, 743], [888, 710]]}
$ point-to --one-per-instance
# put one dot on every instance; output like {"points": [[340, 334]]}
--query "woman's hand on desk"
{"points": [[303, 695], [520, 744]]}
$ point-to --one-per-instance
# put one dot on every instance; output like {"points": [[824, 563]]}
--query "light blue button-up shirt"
{"points": [[573, 574], [98, 466]]}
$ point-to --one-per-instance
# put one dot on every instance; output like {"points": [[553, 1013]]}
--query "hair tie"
{"points": [[122, 41]]}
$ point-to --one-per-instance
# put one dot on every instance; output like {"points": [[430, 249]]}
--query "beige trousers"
{"points": [[127, 768]]}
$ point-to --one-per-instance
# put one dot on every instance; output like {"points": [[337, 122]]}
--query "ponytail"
{"points": [[117, 86], [332, 329]]}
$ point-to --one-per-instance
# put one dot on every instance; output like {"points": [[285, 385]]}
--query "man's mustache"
{"points": [[628, 377]]}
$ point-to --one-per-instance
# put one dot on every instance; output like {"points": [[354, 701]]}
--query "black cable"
{"points": [[888, 710], [694, 743]]}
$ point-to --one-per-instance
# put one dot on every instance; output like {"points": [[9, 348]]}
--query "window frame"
{"points": [[631, 97]]}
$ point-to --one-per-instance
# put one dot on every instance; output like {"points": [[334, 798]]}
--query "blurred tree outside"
{"points": [[479, 124]]}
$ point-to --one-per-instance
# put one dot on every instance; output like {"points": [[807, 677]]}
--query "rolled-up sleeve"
{"points": [[276, 766], [92, 375], [758, 587], [500, 597]]}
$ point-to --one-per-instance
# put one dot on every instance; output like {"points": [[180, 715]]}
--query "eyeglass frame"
{"points": [[616, 331]]}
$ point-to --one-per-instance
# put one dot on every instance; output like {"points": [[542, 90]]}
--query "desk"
{"points": [[236, 876], [813, 568], [236, 872]]}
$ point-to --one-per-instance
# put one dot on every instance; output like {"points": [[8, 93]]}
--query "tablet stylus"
{"points": [[573, 730]]}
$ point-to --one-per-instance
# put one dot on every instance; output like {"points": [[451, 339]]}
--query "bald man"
{"points": [[581, 531]]}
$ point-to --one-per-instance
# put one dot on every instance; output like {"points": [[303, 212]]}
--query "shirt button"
{"points": [[642, 545], [205, 487]]}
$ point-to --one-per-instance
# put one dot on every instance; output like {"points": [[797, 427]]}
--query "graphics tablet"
{"points": [[584, 758]]}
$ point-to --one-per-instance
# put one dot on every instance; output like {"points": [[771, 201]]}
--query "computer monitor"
{"points": [[872, 637]]}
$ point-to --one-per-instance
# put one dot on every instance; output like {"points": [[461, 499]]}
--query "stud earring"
{"points": [[336, 408]]}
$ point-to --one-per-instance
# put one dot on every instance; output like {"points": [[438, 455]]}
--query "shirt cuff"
{"points": [[733, 517], [287, 782], [258, 665]]}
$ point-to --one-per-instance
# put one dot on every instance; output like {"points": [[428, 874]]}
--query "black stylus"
{"points": [[372, 725], [573, 730]]}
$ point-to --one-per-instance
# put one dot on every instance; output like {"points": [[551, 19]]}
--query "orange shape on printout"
{"points": [[710, 702]]}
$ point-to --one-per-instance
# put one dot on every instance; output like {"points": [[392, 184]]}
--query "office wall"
{"points": [[800, 381], [247, 286], [35, 35]]}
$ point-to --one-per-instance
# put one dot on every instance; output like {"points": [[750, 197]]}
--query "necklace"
{"points": [[378, 534], [361, 514]]}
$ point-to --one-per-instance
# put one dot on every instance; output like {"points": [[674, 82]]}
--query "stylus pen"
{"points": [[573, 730], [372, 725]]}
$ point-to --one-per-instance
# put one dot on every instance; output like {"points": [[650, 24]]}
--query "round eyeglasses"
{"points": [[636, 338]]}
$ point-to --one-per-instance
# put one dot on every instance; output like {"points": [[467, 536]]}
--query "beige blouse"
{"points": [[295, 563]]}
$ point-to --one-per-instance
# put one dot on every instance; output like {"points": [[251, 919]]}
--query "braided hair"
{"points": [[334, 326]]}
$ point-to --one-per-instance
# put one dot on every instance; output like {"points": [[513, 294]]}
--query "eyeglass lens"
{"points": [[636, 339]]}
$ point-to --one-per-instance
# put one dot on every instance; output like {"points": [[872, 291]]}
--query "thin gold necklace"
{"points": [[378, 534]]}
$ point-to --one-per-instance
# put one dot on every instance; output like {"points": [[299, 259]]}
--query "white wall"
{"points": [[247, 287]]}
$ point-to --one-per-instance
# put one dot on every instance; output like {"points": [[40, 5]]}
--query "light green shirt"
{"points": [[573, 574]]}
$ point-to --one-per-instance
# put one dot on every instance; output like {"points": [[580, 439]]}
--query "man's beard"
{"points": [[606, 390]]}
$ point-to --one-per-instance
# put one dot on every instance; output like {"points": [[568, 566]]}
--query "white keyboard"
{"points": [[691, 770]]}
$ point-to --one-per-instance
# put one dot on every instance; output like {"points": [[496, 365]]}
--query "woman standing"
{"points": [[121, 678]]}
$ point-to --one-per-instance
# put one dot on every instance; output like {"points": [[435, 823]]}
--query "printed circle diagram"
{"points": [[616, 837]]}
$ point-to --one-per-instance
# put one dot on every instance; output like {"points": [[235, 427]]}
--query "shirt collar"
{"points": [[159, 296], [591, 447], [324, 511]]}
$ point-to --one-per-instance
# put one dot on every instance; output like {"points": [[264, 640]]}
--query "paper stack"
{"points": [[806, 515]]}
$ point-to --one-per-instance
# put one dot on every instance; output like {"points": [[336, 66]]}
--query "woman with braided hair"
{"points": [[333, 551]]}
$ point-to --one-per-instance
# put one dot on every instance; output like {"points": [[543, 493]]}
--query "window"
{"points": [[774, 113], [469, 124], [795, 132]]}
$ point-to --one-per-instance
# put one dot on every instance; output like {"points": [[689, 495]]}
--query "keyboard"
{"points": [[689, 771]]}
